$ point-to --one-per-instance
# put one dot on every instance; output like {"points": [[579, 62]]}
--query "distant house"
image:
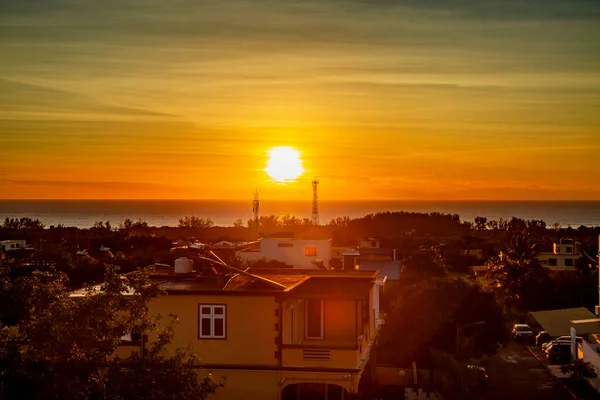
{"points": [[372, 257], [297, 253], [12, 245], [9, 249], [564, 256]]}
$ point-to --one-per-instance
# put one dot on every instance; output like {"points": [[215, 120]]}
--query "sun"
{"points": [[284, 164]]}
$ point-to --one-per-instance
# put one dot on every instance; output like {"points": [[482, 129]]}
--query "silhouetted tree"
{"points": [[195, 222], [480, 223], [514, 267], [61, 347]]}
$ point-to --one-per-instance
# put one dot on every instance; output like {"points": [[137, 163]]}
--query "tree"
{"points": [[426, 316], [423, 263], [59, 346], [102, 227], [126, 225], [481, 223], [195, 222], [492, 225], [579, 370], [515, 267], [22, 223], [238, 223]]}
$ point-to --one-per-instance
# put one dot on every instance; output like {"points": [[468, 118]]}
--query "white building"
{"points": [[298, 253], [564, 256], [10, 245]]}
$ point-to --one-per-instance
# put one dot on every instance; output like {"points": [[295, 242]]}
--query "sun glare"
{"points": [[284, 164]]}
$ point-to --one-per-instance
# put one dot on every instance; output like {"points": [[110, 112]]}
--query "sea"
{"points": [[84, 213]]}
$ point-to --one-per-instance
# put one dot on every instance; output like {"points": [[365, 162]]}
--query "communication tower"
{"points": [[255, 209], [315, 203]]}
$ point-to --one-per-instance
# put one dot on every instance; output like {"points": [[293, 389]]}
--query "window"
{"points": [[568, 262], [310, 251], [314, 319], [285, 244], [212, 321], [552, 262], [569, 249]]}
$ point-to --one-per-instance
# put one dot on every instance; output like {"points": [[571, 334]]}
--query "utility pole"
{"points": [[255, 210]]}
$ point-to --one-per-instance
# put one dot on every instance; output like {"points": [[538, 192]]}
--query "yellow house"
{"points": [[283, 334]]}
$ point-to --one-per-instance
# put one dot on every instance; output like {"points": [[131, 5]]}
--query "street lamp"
{"points": [[459, 330]]}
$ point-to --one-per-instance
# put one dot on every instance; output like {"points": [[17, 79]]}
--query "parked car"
{"points": [[542, 337], [560, 352], [522, 332], [561, 339], [479, 374]]}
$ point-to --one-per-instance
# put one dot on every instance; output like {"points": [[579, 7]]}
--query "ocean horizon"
{"points": [[84, 213]]}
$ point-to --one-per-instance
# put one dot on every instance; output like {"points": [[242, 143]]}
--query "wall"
{"points": [[250, 328], [370, 243], [560, 261], [340, 322], [272, 249], [245, 384]]}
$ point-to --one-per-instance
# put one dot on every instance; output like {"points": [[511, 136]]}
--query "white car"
{"points": [[560, 339]]}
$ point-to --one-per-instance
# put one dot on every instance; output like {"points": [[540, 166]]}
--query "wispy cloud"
{"points": [[151, 88]]}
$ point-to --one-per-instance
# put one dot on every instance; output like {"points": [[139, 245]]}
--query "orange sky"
{"points": [[384, 100]]}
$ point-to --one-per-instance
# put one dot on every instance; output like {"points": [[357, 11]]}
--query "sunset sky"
{"points": [[384, 99]]}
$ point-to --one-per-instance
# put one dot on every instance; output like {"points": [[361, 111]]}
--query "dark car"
{"points": [[523, 333], [542, 337], [560, 352], [478, 374]]}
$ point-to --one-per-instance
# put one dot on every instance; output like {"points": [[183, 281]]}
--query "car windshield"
{"points": [[522, 328]]}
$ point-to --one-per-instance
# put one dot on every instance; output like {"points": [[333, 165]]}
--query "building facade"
{"points": [[297, 253], [564, 256], [284, 334]]}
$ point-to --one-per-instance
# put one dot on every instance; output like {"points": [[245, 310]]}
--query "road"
{"points": [[515, 374]]}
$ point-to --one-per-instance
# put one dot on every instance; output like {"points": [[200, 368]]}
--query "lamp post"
{"points": [[459, 330]]}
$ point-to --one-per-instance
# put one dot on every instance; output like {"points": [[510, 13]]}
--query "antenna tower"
{"points": [[255, 209], [315, 203]]}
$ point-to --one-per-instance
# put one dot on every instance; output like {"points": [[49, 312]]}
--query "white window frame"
{"points": [[212, 316], [306, 320]]}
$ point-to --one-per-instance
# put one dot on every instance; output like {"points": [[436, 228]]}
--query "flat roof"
{"points": [[243, 282], [321, 273], [255, 281], [559, 322]]}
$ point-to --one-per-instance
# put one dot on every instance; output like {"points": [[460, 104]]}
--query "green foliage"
{"points": [[422, 264], [579, 370], [22, 223], [515, 268], [424, 316], [195, 222], [481, 223], [60, 346]]}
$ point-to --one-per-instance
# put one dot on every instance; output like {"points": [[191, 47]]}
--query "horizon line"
{"points": [[310, 200]]}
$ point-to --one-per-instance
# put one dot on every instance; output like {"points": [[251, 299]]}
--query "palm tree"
{"points": [[515, 266]]}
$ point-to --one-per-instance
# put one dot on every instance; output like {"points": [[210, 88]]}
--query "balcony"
{"points": [[326, 354]]}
